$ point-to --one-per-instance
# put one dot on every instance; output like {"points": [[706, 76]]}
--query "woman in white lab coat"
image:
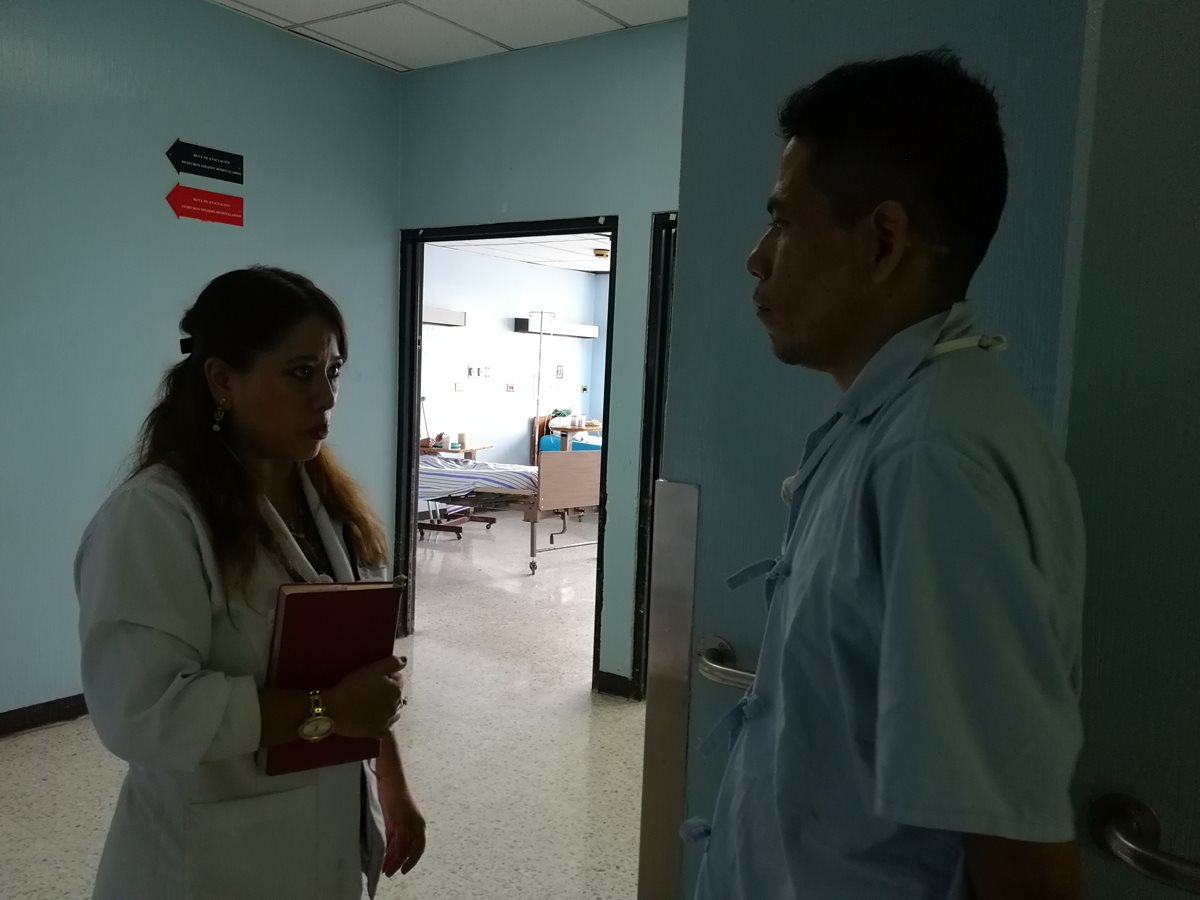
{"points": [[233, 495]]}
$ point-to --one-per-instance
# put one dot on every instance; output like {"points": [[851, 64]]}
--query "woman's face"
{"points": [[279, 408]]}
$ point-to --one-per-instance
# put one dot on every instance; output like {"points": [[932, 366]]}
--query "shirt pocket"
{"points": [[256, 847]]}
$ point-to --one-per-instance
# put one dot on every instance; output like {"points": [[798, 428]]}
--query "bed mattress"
{"points": [[445, 476]]}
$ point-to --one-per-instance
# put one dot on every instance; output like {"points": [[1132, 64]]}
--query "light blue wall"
{"points": [[97, 270], [598, 386], [493, 291], [742, 60], [580, 129]]}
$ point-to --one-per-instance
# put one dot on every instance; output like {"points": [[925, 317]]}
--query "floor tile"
{"points": [[531, 783]]}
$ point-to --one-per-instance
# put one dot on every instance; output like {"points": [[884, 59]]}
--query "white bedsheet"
{"points": [[446, 476]]}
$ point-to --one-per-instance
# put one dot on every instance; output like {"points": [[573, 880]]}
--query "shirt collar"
{"points": [[327, 533], [889, 369]]}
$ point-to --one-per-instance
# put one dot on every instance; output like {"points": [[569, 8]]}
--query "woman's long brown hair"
{"points": [[238, 316]]}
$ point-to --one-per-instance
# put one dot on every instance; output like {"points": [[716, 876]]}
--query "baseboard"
{"points": [[40, 714], [616, 685]]}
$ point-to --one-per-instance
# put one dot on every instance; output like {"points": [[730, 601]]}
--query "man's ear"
{"points": [[888, 236]]}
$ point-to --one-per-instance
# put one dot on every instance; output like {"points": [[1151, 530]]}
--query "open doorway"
{"points": [[507, 342], [513, 341], [504, 366]]}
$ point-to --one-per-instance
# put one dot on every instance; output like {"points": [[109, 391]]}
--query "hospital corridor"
{"points": [[530, 782]]}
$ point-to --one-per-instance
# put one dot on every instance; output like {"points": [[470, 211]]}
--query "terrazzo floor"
{"points": [[531, 783]]}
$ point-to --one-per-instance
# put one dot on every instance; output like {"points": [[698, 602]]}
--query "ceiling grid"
{"points": [[579, 252], [417, 34]]}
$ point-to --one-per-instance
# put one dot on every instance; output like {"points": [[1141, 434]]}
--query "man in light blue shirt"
{"points": [[914, 725]]}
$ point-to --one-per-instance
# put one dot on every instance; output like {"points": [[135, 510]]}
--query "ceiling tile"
{"points": [[579, 258], [307, 10], [643, 12], [357, 51], [497, 251], [580, 244], [526, 252], [408, 36], [589, 265], [481, 242], [566, 251], [253, 11], [569, 238], [523, 23]]}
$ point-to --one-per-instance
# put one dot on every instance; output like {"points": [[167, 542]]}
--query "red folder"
{"points": [[323, 632]]}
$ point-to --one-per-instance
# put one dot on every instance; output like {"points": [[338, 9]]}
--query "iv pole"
{"points": [[536, 513], [541, 320]]}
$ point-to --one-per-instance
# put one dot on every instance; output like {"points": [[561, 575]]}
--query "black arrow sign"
{"points": [[197, 160]]}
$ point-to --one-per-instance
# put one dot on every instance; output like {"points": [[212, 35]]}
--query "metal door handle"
{"points": [[718, 663], [1130, 830]]}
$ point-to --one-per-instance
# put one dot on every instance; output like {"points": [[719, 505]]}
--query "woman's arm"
{"points": [[404, 823], [364, 704], [145, 627], [389, 767], [281, 713]]}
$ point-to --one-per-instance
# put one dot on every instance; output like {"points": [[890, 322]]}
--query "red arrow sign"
{"points": [[207, 206]]}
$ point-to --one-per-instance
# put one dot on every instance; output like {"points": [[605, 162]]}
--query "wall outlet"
{"points": [[511, 388], [559, 373], [458, 387]]}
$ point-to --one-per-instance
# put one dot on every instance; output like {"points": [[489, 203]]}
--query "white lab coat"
{"points": [[172, 660]]}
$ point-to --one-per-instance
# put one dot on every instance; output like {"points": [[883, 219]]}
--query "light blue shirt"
{"points": [[919, 673]]}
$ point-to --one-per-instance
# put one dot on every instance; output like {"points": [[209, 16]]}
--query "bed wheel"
{"points": [[532, 568], [489, 526], [459, 535]]}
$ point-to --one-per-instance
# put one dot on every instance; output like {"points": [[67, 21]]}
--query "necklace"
{"points": [[312, 548]]}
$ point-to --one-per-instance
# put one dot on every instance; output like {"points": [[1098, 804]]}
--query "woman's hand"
{"points": [[404, 827], [367, 703]]}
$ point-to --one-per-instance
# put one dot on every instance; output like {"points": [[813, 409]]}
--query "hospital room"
{"points": [[513, 367], [441, 463], [514, 354]]}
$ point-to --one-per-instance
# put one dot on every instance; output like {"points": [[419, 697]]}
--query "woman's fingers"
{"points": [[403, 854], [391, 856], [415, 851]]}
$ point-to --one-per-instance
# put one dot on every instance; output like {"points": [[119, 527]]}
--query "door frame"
{"points": [[663, 235], [408, 395]]}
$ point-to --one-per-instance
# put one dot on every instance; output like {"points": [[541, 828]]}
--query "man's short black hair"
{"points": [[917, 129]]}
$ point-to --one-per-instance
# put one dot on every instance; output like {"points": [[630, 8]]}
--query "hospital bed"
{"points": [[446, 484], [559, 483]]}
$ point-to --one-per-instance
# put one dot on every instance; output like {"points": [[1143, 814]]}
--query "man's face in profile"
{"points": [[806, 293]]}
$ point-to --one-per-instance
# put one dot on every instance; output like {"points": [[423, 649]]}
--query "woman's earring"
{"points": [[218, 416]]}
